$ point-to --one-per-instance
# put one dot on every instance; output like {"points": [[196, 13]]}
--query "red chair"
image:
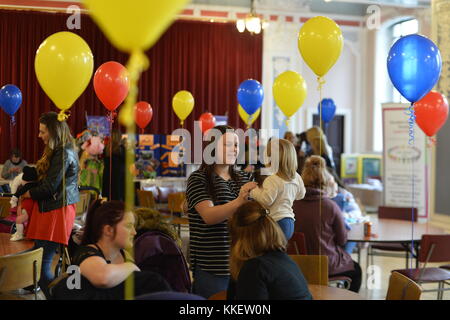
{"points": [[433, 248], [297, 244], [396, 250]]}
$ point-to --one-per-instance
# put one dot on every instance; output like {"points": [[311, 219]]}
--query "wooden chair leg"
{"points": [[35, 271]]}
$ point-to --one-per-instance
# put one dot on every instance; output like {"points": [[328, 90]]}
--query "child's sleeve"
{"points": [[301, 190], [266, 194], [16, 183]]}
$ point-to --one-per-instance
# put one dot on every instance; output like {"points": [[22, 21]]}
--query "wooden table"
{"points": [[332, 293], [392, 231], [318, 292], [12, 247]]}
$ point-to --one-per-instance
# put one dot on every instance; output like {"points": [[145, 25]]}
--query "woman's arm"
{"points": [[199, 198], [212, 214], [103, 275], [340, 231], [48, 186]]}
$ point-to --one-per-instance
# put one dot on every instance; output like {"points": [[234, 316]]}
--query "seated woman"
{"points": [[104, 264], [322, 222], [259, 266], [349, 209]]}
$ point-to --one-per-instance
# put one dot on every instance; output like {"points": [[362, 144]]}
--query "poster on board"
{"points": [[403, 161]]}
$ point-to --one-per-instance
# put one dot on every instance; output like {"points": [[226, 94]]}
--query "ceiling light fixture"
{"points": [[252, 22]]}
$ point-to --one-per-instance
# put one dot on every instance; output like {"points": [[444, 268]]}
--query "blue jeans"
{"points": [[206, 284], [287, 225], [47, 274]]}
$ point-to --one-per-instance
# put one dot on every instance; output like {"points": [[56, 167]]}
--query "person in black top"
{"points": [[104, 264], [213, 194], [113, 186], [260, 268]]}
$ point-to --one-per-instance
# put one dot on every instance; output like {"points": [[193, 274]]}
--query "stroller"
{"points": [[155, 251]]}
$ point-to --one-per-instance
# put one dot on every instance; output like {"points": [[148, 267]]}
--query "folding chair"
{"points": [[433, 248], [19, 271], [402, 288]]}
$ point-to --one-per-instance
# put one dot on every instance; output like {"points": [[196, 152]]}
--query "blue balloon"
{"points": [[328, 110], [250, 95], [10, 99], [414, 65]]}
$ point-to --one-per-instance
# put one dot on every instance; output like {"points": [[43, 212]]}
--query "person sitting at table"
{"points": [[12, 167], [104, 264], [259, 266], [342, 197], [322, 222]]}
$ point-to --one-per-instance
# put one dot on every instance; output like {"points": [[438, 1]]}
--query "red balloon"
{"points": [[111, 84], [431, 112], [143, 114], [207, 121]]}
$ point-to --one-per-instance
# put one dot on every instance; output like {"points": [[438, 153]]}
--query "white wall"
{"points": [[343, 81]]}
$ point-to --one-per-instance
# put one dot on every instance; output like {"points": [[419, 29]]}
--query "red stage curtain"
{"points": [[208, 59]]}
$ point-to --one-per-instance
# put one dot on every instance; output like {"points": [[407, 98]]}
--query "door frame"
{"points": [[347, 125]]}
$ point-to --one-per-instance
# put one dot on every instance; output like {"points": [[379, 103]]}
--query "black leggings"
{"points": [[355, 275]]}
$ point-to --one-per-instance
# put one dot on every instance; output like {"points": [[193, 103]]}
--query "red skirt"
{"points": [[55, 225]]}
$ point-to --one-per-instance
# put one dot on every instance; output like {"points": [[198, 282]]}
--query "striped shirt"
{"points": [[209, 245]]}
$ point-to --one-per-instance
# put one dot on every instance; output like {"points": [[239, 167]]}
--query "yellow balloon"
{"points": [[64, 64], [320, 43], [246, 117], [289, 91], [183, 104], [134, 24]]}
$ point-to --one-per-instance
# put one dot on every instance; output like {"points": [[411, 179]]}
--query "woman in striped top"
{"points": [[214, 192]]}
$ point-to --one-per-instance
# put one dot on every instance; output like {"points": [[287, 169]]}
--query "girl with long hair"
{"points": [[278, 191], [260, 268], [214, 192], [56, 194]]}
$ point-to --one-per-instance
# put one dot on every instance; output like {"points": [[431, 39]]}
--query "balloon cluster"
{"points": [[414, 65]]}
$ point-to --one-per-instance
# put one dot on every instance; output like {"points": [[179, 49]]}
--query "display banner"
{"points": [[400, 160]]}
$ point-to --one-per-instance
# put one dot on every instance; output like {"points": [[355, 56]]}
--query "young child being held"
{"points": [[279, 190], [20, 185]]}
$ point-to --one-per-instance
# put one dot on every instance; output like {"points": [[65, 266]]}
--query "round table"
{"points": [[320, 292], [11, 247], [392, 230]]}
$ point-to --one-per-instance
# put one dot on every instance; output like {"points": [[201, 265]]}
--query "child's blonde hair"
{"points": [[287, 158]]}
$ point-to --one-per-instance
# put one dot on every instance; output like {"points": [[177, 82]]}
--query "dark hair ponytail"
{"points": [[100, 214]]}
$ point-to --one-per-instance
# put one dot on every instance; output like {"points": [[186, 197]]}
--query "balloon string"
{"points": [[321, 81], [111, 115], [63, 115], [431, 142], [411, 121], [137, 63], [287, 123], [11, 131], [111, 120]]}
